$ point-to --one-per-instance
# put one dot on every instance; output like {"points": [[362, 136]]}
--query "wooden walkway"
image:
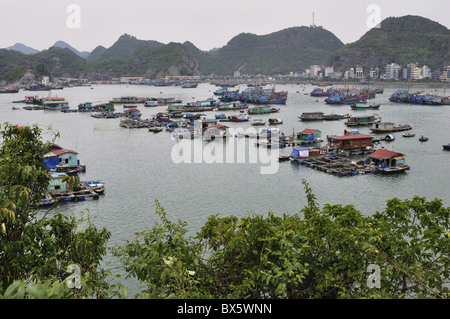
{"points": [[337, 165]]}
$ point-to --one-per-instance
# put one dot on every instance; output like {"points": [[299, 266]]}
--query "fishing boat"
{"points": [[238, 118], [423, 138], [364, 106], [446, 147], [385, 127]]}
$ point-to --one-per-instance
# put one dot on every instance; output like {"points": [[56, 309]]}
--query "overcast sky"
{"points": [[206, 23]]}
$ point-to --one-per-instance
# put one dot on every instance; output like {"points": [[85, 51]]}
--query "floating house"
{"points": [[87, 106], [362, 120], [57, 183], [60, 190], [388, 161], [55, 104], [63, 160], [128, 99], [109, 107], [214, 131], [132, 113], [309, 136], [304, 152], [350, 142]]}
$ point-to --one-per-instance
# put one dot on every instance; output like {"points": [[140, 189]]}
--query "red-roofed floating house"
{"points": [[388, 161]]}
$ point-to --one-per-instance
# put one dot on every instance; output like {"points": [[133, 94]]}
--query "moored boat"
{"points": [[364, 106], [275, 121], [258, 122], [408, 134], [385, 127]]}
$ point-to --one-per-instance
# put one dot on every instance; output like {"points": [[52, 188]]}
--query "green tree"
{"points": [[319, 253], [38, 250]]}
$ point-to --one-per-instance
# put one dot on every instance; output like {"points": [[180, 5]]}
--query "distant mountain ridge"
{"points": [[291, 49], [64, 45], [159, 61], [124, 47], [401, 40], [22, 48]]}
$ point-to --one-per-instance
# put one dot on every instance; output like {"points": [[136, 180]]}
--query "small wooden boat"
{"points": [[423, 138], [446, 147], [275, 121], [258, 122], [282, 158], [408, 134], [155, 129]]}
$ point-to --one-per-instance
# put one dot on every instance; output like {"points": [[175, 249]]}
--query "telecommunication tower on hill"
{"points": [[313, 25]]}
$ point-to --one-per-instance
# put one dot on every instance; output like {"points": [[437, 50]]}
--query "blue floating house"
{"points": [[304, 152], [57, 183], [63, 160], [309, 136]]}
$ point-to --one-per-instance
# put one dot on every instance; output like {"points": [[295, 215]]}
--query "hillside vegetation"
{"points": [[403, 40]]}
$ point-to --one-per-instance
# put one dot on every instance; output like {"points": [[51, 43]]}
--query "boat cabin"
{"points": [[259, 109], [132, 113], [105, 107], [361, 120], [311, 116], [347, 142]]}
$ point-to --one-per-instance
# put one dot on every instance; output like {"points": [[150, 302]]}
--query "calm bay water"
{"points": [[137, 168]]}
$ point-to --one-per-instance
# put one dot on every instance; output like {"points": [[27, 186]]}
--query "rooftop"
{"points": [[382, 153], [351, 137]]}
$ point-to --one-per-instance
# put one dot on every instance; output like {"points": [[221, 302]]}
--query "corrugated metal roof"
{"points": [[63, 151], [382, 153], [351, 137], [308, 131]]}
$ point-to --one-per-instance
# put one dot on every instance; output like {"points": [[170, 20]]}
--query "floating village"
{"points": [[349, 154]]}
